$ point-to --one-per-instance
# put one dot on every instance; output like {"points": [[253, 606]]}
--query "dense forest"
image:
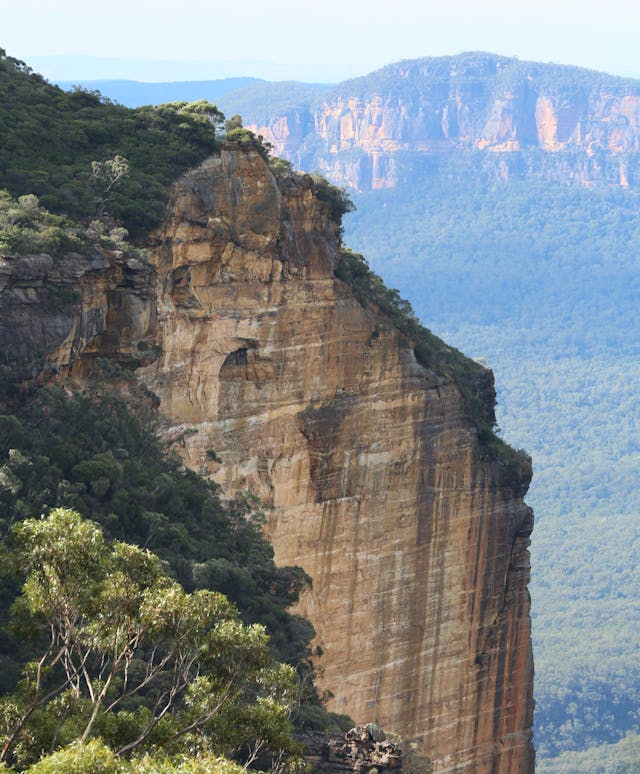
{"points": [[542, 281], [61, 146]]}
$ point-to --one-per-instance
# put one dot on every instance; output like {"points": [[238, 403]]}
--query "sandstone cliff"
{"points": [[379, 483], [524, 118], [415, 538], [58, 313]]}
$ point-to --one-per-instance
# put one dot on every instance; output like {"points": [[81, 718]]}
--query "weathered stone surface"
{"points": [[55, 313], [415, 537], [359, 750]]}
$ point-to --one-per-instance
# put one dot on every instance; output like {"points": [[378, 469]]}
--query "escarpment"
{"points": [[514, 119], [60, 314], [415, 537], [377, 479]]}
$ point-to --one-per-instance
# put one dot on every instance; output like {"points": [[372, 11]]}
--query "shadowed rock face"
{"points": [[585, 125], [416, 539], [414, 534], [58, 314]]}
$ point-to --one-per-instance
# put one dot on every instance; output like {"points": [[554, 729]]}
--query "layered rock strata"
{"points": [[415, 536], [57, 313]]}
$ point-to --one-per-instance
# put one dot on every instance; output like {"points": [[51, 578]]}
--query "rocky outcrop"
{"points": [[585, 125], [377, 481], [56, 312], [361, 750], [415, 535]]}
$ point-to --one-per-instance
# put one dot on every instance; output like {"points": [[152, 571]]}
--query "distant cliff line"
{"points": [[496, 117]]}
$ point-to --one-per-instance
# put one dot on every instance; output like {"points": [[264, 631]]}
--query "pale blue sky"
{"points": [[326, 40]]}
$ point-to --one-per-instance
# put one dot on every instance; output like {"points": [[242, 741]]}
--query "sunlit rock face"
{"points": [[416, 539], [559, 123]]}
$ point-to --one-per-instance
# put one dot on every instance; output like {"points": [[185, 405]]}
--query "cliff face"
{"points": [[585, 125], [415, 535], [415, 538], [59, 314]]}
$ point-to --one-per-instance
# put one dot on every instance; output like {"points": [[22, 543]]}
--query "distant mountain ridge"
{"points": [[511, 118], [137, 93]]}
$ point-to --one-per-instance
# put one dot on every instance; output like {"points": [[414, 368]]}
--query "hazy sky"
{"points": [[325, 40]]}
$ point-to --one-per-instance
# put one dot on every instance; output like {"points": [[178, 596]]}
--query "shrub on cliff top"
{"points": [[26, 228], [337, 197]]}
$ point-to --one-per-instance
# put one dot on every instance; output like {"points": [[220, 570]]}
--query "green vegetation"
{"points": [[541, 280], [122, 653], [53, 139], [623, 757], [27, 227], [93, 455], [94, 757], [337, 197]]}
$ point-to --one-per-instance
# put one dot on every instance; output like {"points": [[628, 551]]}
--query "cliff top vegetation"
{"points": [[53, 138], [476, 68]]}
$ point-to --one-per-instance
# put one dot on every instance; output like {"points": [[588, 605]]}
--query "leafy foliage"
{"points": [[126, 654], [26, 227], [94, 757], [61, 134], [246, 137], [337, 197], [94, 456], [623, 757]]}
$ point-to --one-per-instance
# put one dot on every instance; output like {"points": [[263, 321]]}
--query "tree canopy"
{"points": [[65, 147], [123, 653]]}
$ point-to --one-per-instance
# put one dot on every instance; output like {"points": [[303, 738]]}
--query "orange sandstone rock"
{"points": [[414, 532], [360, 133], [415, 536]]}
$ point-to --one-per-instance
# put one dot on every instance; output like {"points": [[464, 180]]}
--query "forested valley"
{"points": [[542, 281]]}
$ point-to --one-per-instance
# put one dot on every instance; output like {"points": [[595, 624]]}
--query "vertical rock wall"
{"points": [[550, 121], [415, 536]]}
